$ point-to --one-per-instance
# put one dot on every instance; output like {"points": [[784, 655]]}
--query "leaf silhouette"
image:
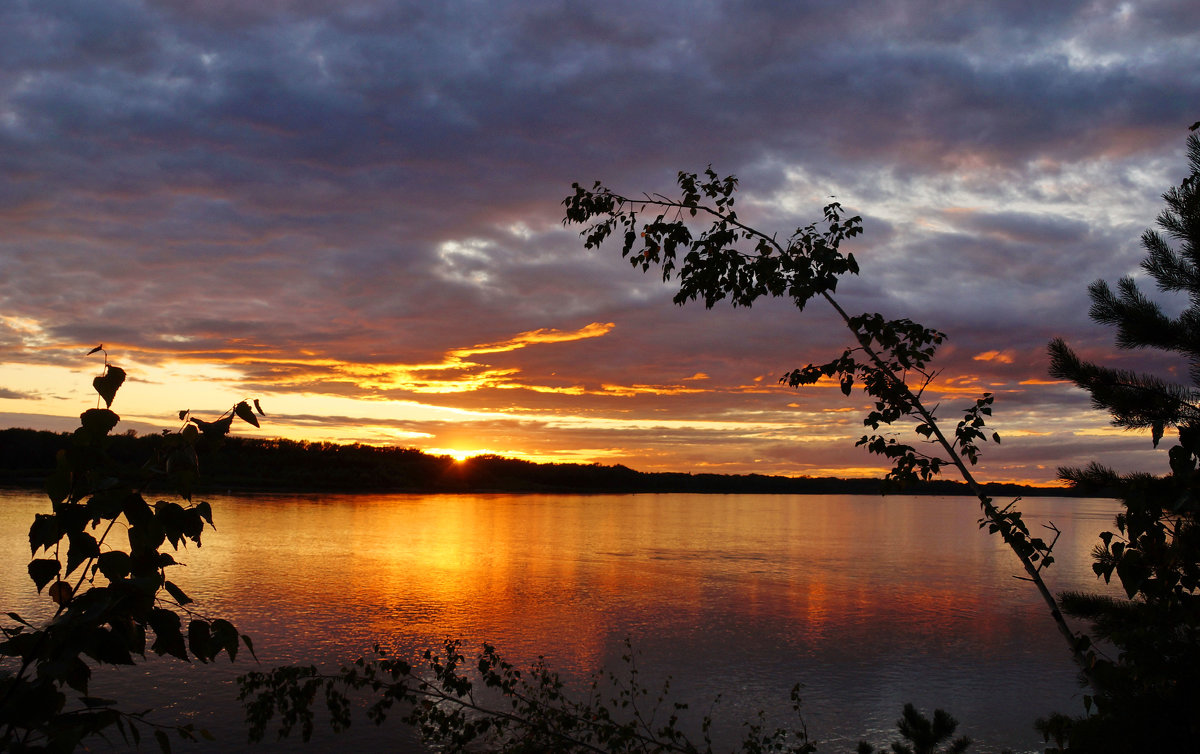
{"points": [[106, 384], [60, 592], [43, 571], [216, 429], [98, 421], [244, 413]]}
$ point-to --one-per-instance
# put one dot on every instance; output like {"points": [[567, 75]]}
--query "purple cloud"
{"points": [[379, 183]]}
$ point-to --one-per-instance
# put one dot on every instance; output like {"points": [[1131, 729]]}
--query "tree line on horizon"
{"points": [[246, 464]]}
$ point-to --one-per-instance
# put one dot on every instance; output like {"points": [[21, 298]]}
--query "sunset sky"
{"points": [[352, 211]]}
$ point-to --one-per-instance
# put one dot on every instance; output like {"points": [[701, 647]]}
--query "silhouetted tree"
{"points": [[1147, 696], [99, 555], [726, 259]]}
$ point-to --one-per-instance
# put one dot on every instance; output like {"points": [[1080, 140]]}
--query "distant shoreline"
{"points": [[247, 465]]}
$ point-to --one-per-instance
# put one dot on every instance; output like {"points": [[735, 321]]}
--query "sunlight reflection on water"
{"points": [[870, 602]]}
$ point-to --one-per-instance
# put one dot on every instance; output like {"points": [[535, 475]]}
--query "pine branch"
{"points": [[1171, 270], [1136, 401], [1139, 321]]}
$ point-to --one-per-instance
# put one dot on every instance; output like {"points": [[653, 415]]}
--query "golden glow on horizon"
{"points": [[572, 456], [846, 472], [458, 455], [312, 397]]}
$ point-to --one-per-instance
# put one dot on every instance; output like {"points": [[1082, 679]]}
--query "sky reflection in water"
{"points": [[870, 602]]}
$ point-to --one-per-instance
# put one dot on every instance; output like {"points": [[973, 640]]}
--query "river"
{"points": [[869, 602]]}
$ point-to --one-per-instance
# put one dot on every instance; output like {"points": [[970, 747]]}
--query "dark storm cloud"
{"points": [[369, 182]]}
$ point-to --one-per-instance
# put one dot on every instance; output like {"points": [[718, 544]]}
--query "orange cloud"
{"points": [[626, 391], [967, 384], [1001, 357], [455, 373], [533, 337]]}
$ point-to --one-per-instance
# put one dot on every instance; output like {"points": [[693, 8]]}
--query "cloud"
{"points": [[1003, 357], [544, 335], [363, 199]]}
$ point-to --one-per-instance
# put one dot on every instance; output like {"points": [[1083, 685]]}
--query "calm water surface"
{"points": [[869, 602]]}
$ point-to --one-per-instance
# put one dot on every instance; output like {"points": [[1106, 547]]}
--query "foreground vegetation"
{"points": [[101, 556], [487, 704]]}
